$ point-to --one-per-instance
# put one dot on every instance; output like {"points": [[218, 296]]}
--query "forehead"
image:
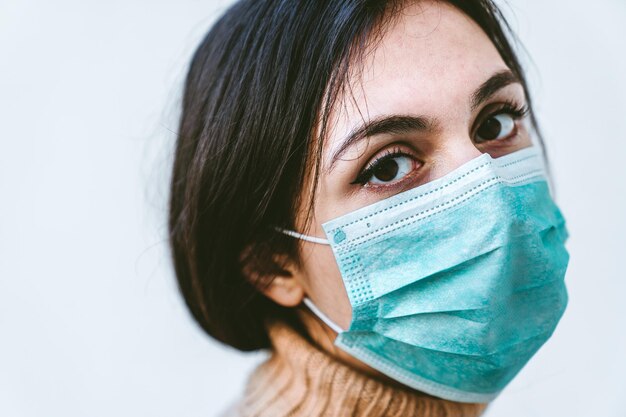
{"points": [[431, 58]]}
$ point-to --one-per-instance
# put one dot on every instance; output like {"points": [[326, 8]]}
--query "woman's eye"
{"points": [[387, 169], [499, 126], [391, 170]]}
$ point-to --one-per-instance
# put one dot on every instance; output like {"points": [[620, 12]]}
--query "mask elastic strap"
{"points": [[313, 239], [322, 316]]}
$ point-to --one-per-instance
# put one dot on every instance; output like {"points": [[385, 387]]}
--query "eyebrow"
{"points": [[403, 124], [495, 83]]}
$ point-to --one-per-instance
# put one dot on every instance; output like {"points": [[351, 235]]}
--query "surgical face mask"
{"points": [[455, 284]]}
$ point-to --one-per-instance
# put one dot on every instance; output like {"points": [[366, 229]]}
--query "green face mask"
{"points": [[454, 285]]}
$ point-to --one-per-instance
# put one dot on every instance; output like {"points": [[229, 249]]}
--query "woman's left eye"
{"points": [[388, 169], [496, 127]]}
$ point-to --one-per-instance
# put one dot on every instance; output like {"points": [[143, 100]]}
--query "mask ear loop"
{"points": [[307, 301], [313, 239]]}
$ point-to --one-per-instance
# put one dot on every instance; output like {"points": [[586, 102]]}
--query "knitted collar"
{"points": [[299, 379]]}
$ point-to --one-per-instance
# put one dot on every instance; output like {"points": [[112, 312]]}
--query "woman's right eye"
{"points": [[389, 169]]}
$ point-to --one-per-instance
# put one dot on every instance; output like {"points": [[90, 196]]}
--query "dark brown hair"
{"points": [[262, 78]]}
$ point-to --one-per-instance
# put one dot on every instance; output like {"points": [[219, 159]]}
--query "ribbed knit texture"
{"points": [[301, 380]]}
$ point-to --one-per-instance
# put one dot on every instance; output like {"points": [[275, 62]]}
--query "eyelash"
{"points": [[365, 175], [509, 107]]}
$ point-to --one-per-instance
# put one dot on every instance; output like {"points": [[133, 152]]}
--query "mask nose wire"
{"points": [[308, 238]]}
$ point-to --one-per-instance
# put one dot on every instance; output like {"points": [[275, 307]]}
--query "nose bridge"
{"points": [[454, 152]]}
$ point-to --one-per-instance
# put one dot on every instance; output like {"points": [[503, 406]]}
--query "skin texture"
{"points": [[429, 63]]}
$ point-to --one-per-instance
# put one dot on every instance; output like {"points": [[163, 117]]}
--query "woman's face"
{"points": [[432, 95]]}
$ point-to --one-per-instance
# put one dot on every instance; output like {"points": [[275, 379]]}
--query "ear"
{"points": [[285, 291], [284, 286]]}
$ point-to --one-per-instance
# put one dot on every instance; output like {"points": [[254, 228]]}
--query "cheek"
{"points": [[324, 284]]}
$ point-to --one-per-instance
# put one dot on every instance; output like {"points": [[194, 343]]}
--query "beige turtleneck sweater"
{"points": [[301, 380]]}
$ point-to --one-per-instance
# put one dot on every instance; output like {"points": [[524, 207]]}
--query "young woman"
{"points": [[359, 186]]}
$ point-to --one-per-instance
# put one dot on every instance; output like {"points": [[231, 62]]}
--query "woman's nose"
{"points": [[452, 154]]}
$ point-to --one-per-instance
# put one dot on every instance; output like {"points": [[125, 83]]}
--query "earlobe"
{"points": [[281, 287], [285, 291]]}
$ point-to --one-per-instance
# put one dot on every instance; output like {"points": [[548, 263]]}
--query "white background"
{"points": [[90, 320]]}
